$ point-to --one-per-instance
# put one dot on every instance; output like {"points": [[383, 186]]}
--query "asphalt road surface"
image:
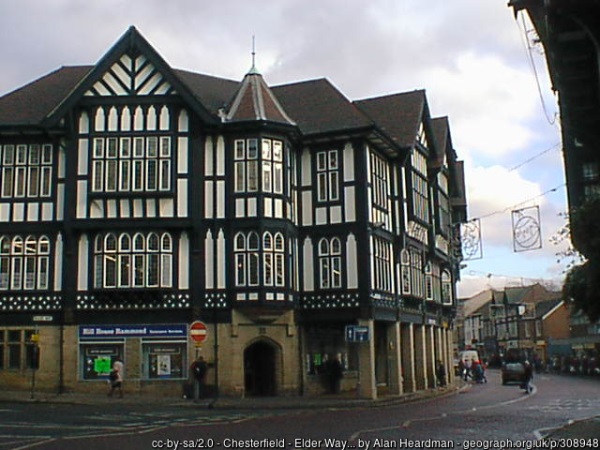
{"points": [[482, 416]]}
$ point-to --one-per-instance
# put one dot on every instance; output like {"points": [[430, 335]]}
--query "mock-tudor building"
{"points": [[136, 199]]}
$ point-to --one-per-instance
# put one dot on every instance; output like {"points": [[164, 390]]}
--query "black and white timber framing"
{"points": [[133, 193]]}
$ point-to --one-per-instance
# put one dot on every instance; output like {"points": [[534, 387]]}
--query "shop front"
{"points": [[155, 356]]}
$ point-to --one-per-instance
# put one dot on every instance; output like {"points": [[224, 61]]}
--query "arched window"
{"points": [[268, 258], [246, 249], [240, 259], [330, 263], [428, 281], [405, 271], [24, 263], [447, 288], [279, 260], [166, 263], [248, 253], [141, 261], [417, 278], [253, 258]]}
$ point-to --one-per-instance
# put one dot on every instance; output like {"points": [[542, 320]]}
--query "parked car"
{"points": [[513, 372]]}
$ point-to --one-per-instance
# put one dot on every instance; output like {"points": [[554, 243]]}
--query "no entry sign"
{"points": [[198, 331]]}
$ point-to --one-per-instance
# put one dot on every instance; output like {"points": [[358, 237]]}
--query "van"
{"points": [[468, 357]]}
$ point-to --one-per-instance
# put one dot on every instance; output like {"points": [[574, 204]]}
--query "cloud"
{"points": [[469, 56]]}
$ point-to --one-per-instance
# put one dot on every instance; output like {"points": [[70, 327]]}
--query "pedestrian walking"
{"points": [[115, 378], [199, 369], [440, 373], [527, 377], [334, 373]]}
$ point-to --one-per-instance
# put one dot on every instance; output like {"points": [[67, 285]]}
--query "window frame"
{"points": [[27, 171], [131, 164], [328, 176], [133, 260], [25, 263]]}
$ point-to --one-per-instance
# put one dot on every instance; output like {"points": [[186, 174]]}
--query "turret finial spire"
{"points": [[253, 69]]}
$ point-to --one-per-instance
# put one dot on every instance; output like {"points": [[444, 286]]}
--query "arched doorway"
{"points": [[260, 369]]}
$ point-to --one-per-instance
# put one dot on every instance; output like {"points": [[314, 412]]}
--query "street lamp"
{"points": [[520, 312]]}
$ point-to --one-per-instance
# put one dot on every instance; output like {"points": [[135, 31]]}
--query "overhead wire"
{"points": [[516, 205], [536, 156], [528, 50]]}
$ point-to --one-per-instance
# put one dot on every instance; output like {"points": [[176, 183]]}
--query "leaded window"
{"points": [[446, 288], [133, 260], [248, 160], [405, 271], [250, 250], [444, 203], [330, 263], [380, 183], [246, 249], [16, 349], [24, 263], [26, 170], [328, 176], [383, 267], [417, 276], [428, 281], [131, 164]]}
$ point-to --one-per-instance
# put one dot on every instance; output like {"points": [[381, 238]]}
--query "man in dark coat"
{"points": [[199, 369], [527, 377]]}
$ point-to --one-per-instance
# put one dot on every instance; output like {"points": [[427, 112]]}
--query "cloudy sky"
{"points": [[471, 56]]}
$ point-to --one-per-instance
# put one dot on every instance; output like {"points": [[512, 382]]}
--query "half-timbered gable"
{"points": [[136, 198]]}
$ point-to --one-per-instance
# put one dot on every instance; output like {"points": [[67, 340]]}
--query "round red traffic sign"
{"points": [[198, 331]]}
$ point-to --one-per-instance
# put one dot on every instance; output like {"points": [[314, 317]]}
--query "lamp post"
{"points": [[520, 312]]}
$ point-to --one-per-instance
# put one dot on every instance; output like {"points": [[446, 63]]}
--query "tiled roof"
{"points": [[318, 107], [440, 130], [544, 307], [213, 92], [516, 295], [255, 101], [397, 115], [32, 103]]}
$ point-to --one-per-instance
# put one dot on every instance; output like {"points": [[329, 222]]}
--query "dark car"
{"points": [[513, 372]]}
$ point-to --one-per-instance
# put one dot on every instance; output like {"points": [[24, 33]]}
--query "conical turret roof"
{"points": [[254, 100]]}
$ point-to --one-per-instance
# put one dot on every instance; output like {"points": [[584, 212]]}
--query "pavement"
{"points": [[342, 400], [586, 431]]}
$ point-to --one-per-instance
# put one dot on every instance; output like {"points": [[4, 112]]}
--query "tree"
{"points": [[582, 285], [582, 288]]}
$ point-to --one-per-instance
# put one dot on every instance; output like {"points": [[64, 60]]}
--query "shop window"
{"points": [[164, 360], [97, 359], [16, 349]]}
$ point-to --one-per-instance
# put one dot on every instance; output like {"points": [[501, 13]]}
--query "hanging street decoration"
{"points": [[527, 234], [471, 240]]}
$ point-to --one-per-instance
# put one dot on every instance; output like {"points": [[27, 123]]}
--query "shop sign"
{"points": [[127, 331]]}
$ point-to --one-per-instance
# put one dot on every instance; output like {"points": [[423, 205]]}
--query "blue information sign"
{"points": [[357, 333]]}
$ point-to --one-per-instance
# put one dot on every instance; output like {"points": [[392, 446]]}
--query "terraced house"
{"points": [[137, 198]]}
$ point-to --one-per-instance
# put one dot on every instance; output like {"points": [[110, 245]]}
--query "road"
{"points": [[489, 413]]}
